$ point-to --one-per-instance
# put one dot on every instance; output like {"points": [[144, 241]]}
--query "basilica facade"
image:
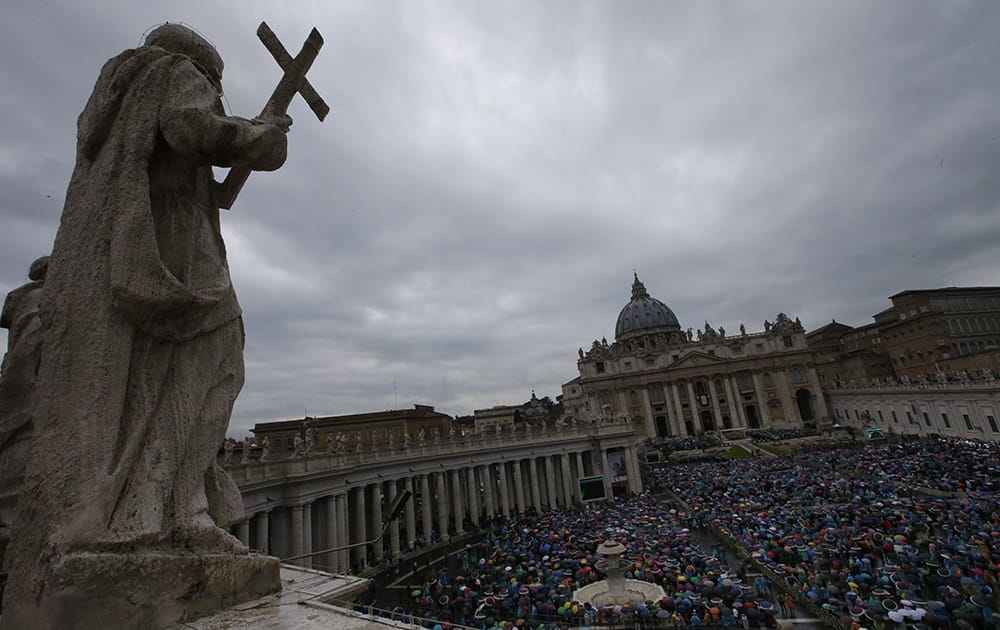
{"points": [[675, 383]]}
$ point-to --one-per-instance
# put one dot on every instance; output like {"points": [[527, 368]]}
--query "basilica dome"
{"points": [[644, 313]]}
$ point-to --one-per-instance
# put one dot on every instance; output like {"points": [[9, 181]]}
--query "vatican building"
{"points": [[676, 382]]}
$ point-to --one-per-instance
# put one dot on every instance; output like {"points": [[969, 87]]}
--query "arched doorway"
{"points": [[752, 420], [707, 424], [805, 401], [661, 426]]}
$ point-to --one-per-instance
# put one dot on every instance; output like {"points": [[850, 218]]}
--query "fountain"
{"points": [[616, 590]]}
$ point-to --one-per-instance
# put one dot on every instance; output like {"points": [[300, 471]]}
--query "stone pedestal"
{"points": [[143, 590]]}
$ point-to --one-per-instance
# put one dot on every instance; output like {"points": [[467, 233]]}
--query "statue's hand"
{"points": [[281, 121]]}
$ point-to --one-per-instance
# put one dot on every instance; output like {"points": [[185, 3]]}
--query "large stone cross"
{"points": [[294, 81]]}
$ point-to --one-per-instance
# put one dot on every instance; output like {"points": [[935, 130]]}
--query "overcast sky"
{"points": [[491, 173]]}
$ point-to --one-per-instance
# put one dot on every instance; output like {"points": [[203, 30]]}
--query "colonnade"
{"points": [[449, 499]]}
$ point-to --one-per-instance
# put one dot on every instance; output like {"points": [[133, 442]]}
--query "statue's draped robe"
{"points": [[143, 353], [17, 397]]}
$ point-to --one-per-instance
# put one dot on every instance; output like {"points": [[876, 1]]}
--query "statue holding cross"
{"points": [[142, 351]]}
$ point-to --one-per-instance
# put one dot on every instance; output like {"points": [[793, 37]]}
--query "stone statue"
{"points": [[391, 443], [451, 433], [298, 449], [247, 445], [743, 330], [722, 331], [497, 428], [421, 436], [143, 347], [17, 390], [700, 334], [310, 440], [265, 448], [339, 442], [406, 440], [580, 352], [690, 334], [436, 435], [767, 326], [227, 448]]}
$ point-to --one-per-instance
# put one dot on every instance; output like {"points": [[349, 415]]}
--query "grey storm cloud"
{"points": [[490, 175]]}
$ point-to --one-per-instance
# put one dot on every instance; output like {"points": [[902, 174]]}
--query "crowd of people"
{"points": [[526, 572], [872, 534], [890, 533]]}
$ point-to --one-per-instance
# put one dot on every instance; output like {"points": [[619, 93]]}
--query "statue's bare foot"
{"points": [[201, 534]]}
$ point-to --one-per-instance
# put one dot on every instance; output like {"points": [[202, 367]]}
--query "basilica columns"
{"points": [[681, 426], [693, 406], [714, 395], [765, 417]]}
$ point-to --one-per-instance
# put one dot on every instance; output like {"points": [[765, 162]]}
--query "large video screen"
{"points": [[592, 489]]}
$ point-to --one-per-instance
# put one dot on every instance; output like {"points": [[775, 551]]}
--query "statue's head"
{"points": [[180, 39], [38, 269]]}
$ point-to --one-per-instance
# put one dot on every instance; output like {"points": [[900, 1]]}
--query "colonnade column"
{"points": [[473, 487], [379, 546], [425, 507], [504, 494], [394, 552], [307, 534], [580, 470], [714, 395], [343, 533], [456, 496], [550, 482], [442, 505], [567, 480], [486, 474], [536, 493], [411, 514], [518, 486], [261, 542], [296, 533], [332, 527], [681, 426], [360, 552]]}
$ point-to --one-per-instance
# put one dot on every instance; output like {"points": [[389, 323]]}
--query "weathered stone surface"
{"points": [[145, 590], [18, 373], [142, 351]]}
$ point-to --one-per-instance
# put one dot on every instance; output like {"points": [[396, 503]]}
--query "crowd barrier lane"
{"points": [[778, 581]]}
